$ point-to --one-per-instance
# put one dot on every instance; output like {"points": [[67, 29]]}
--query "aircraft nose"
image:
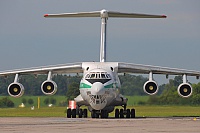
{"points": [[98, 97], [98, 88]]}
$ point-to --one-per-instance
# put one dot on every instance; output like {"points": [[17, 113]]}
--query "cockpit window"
{"points": [[102, 77]]}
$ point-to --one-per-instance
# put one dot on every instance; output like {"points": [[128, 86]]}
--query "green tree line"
{"points": [[32, 84], [170, 96], [131, 85]]}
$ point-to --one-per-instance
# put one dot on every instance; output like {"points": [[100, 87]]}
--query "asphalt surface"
{"points": [[89, 125]]}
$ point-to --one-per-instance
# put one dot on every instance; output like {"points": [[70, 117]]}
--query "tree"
{"points": [[24, 100], [46, 101], [132, 85], [73, 91], [170, 95], [30, 101], [52, 100], [6, 102], [196, 94]]}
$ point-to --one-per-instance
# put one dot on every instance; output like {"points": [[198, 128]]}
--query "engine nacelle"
{"points": [[150, 87], [49, 87], [15, 89], [184, 90]]}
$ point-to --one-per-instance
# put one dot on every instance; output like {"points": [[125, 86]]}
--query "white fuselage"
{"points": [[100, 84]]}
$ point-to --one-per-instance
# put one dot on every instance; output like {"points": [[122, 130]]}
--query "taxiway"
{"points": [[89, 125]]}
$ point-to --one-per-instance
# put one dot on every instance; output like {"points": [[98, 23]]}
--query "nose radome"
{"points": [[98, 88], [98, 98]]}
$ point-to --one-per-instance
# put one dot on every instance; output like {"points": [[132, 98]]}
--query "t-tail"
{"points": [[104, 14]]}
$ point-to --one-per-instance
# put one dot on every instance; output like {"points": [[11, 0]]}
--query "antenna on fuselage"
{"points": [[104, 14]]}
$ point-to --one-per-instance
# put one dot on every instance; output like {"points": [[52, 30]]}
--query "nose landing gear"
{"points": [[99, 113]]}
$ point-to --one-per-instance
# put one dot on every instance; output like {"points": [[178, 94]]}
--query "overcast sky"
{"points": [[27, 39]]}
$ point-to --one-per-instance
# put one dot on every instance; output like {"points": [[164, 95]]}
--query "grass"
{"points": [[167, 111], [27, 112], [56, 111], [132, 100], [141, 111], [135, 100], [18, 101]]}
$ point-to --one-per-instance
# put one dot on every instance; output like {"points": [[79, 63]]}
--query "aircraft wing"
{"points": [[57, 69], [146, 69]]}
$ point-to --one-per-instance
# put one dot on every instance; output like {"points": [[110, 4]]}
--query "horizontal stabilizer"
{"points": [[133, 15], [78, 14], [105, 14]]}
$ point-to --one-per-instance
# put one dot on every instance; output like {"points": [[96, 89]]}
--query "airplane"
{"points": [[100, 84]]}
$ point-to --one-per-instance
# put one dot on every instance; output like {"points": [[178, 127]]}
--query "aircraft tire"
{"points": [[94, 114], [80, 113], [69, 111], [73, 113], [132, 113], [128, 113], [85, 115], [104, 114], [121, 113], [116, 113]]}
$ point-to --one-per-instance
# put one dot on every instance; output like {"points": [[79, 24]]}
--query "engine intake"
{"points": [[16, 89], [49, 87], [184, 90], [150, 87]]}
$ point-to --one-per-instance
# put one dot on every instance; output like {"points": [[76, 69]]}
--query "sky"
{"points": [[27, 39]]}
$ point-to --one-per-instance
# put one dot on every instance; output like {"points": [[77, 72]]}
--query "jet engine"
{"points": [[15, 89], [150, 87], [184, 90], [49, 87]]}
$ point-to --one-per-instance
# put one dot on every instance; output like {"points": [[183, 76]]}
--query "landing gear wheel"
{"points": [[104, 114], [69, 112], [121, 113], [128, 113], [85, 115], [80, 113], [132, 113], [116, 113], [94, 114], [73, 113]]}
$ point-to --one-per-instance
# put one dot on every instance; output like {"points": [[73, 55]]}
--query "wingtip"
{"points": [[46, 15]]}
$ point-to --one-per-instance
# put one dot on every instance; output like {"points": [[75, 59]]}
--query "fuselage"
{"points": [[100, 84]]}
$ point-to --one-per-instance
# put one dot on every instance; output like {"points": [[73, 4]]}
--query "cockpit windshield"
{"points": [[102, 77]]}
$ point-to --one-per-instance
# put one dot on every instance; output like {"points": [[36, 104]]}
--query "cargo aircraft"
{"points": [[100, 84]]}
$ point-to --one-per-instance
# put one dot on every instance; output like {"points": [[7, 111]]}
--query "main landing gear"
{"points": [[124, 113], [83, 113]]}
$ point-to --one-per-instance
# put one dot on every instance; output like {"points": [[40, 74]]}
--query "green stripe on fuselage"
{"points": [[83, 86], [109, 86]]}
